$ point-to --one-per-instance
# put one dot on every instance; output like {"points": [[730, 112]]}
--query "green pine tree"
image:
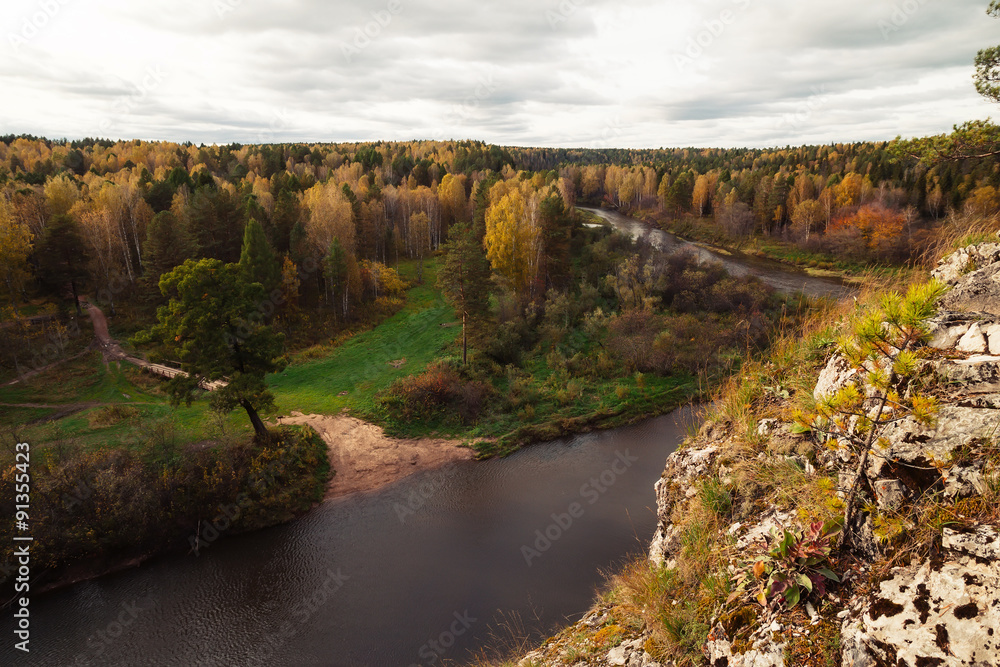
{"points": [[210, 327], [258, 263], [465, 281]]}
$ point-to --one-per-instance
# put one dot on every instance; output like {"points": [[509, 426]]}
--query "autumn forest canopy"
{"points": [[140, 208]]}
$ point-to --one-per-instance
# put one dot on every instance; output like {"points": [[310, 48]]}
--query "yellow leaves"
{"points": [[61, 193], [905, 364], [512, 239], [15, 246], [924, 409]]}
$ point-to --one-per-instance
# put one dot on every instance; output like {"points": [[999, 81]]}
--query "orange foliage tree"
{"points": [[877, 228]]}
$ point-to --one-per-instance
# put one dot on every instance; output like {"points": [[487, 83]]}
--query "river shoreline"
{"points": [[366, 460]]}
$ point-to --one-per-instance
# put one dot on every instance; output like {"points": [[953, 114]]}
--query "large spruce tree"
{"points": [[465, 281]]}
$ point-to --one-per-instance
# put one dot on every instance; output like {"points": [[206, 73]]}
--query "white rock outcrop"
{"points": [[947, 615]]}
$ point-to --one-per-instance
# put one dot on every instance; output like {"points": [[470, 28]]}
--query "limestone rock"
{"points": [[890, 494], [974, 341], [683, 466], [983, 542], [975, 375], [929, 616], [719, 651], [947, 328], [992, 332], [837, 375], [914, 450], [761, 531], [954, 267], [616, 656], [978, 291]]}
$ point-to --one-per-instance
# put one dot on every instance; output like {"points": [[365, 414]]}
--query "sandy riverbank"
{"points": [[366, 459]]}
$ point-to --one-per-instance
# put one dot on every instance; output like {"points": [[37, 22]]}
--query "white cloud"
{"points": [[635, 73]]}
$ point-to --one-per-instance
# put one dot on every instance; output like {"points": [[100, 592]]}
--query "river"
{"points": [[374, 579], [779, 276]]}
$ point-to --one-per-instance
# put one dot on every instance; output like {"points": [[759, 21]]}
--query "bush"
{"points": [[507, 343], [101, 506], [438, 392], [113, 414]]}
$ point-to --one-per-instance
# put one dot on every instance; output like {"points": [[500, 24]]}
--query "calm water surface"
{"points": [[373, 580]]}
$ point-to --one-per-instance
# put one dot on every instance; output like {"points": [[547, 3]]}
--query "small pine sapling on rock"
{"points": [[885, 344]]}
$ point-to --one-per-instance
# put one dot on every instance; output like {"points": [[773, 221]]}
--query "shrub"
{"points": [[437, 392], [110, 415], [796, 565]]}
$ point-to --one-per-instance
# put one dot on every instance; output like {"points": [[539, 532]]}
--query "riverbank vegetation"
{"points": [[93, 509]]}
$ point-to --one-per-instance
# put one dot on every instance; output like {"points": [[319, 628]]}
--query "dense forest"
{"points": [[332, 222], [140, 208]]}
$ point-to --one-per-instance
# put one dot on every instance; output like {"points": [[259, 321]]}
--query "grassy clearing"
{"points": [[329, 379], [88, 381]]}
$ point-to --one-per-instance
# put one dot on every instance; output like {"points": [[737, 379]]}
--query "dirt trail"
{"points": [[366, 459], [113, 352]]}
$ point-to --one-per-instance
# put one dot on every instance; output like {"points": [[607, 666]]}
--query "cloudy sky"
{"points": [[600, 73]]}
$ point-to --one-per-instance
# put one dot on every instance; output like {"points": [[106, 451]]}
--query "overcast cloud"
{"points": [[603, 73]]}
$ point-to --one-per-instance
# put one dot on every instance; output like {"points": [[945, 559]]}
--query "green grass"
{"points": [[349, 376], [603, 404], [88, 380]]}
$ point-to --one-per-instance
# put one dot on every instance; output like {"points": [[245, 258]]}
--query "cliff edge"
{"points": [[753, 506]]}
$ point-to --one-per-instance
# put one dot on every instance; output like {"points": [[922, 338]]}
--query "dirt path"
{"points": [[366, 459], [113, 352]]}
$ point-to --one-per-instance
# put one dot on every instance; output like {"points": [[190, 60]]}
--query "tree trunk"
{"points": [[76, 298], [258, 424], [465, 340]]}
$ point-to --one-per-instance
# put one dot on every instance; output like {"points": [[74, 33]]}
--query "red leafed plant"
{"points": [[797, 565]]}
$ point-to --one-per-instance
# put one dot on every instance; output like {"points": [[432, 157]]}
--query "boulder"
{"points": [[945, 615], [947, 328], [837, 374], [976, 375], [683, 467], [978, 291], [916, 453], [955, 266], [974, 341]]}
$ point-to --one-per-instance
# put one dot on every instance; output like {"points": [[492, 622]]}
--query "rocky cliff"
{"points": [[920, 577]]}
